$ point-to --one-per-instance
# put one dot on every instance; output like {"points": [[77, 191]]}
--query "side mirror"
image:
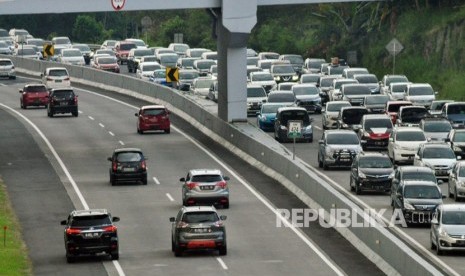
{"points": [[223, 217], [434, 221], [172, 219], [447, 140], [440, 181], [321, 142], [182, 179], [20, 91], [399, 195], [115, 219], [63, 222], [226, 178], [109, 159], [136, 114], [459, 157]]}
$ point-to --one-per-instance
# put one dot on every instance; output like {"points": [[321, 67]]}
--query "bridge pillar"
{"points": [[234, 25]]}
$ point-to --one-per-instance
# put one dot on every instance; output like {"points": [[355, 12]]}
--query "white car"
{"points": [[7, 68], [140, 44], [71, 56], [256, 96], [334, 92], [456, 183], [61, 41], [438, 156], [420, 94], [331, 113], [448, 228], [404, 143], [145, 70], [56, 77], [435, 129], [370, 81], [201, 86], [264, 79], [396, 90]]}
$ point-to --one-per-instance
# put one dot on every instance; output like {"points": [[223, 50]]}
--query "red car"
{"points": [[122, 49], [33, 94], [106, 63], [153, 117], [392, 108]]}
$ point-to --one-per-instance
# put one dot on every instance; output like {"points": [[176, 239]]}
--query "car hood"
{"points": [[377, 171], [308, 97], [436, 136], [440, 161], [256, 100], [454, 229], [429, 203], [356, 148]]}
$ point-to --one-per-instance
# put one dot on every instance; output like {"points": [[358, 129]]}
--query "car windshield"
{"points": [[376, 99], [375, 162], [399, 88], [36, 88], [64, 40], [356, 90], [188, 62], [270, 55], [413, 115], [350, 73], [103, 51], [150, 58], [336, 106], [200, 217], [342, 139], [462, 171], [72, 53], [438, 153], [367, 79], [86, 221], [392, 79], [353, 116], [138, 42], [142, 52], [453, 217], [459, 137], [295, 59], [161, 74], [283, 69], [315, 64], [127, 46], [456, 109], [420, 191], [169, 59], [203, 83], [153, 111], [205, 64], [378, 123], [294, 115], [336, 70], [180, 48], [338, 84], [271, 108], [82, 48], [129, 157], [427, 176], [26, 51], [36, 42], [254, 92], [106, 60], [443, 126], [410, 136], [421, 91], [150, 67], [305, 90], [309, 78], [206, 178], [5, 63], [58, 73], [188, 75], [281, 97], [396, 107], [262, 77]]}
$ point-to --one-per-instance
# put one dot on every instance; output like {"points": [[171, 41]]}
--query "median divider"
{"points": [[386, 250]]}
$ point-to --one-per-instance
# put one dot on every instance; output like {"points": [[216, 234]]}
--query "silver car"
{"points": [[448, 228], [456, 184], [204, 187], [338, 148], [331, 113]]}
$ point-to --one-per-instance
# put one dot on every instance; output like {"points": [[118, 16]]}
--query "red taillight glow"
{"points": [[114, 166], [192, 185], [75, 100], [73, 231], [218, 223], [67, 79], [143, 165], [49, 78], [182, 224], [222, 184], [111, 229]]}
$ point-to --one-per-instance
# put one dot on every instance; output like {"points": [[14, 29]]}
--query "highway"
{"points": [[256, 246]]}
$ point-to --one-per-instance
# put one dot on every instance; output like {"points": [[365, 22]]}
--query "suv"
{"points": [[90, 232], [35, 94], [313, 65], [436, 129], [264, 79], [447, 228], [388, 79], [392, 109], [56, 77], [371, 171], [376, 103], [456, 139], [375, 131], [350, 117], [456, 181], [283, 72], [198, 228], [202, 186], [7, 68], [411, 115], [308, 96], [296, 61], [153, 117], [122, 49], [407, 173], [370, 81], [438, 156], [256, 96], [128, 164], [420, 94], [62, 100], [455, 113], [338, 148], [354, 93], [134, 57], [286, 114], [404, 143], [330, 115]]}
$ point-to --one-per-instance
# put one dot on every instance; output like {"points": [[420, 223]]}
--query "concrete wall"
{"points": [[377, 243]]}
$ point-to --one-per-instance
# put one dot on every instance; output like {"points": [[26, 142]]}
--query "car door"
{"points": [[354, 171], [399, 198], [451, 184], [435, 226]]}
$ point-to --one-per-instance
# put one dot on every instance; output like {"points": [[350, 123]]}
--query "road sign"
{"points": [[118, 4], [172, 74], [48, 50], [294, 129], [394, 47]]}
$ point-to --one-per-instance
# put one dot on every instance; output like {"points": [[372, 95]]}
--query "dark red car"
{"points": [[153, 117], [106, 63], [33, 94], [122, 49]]}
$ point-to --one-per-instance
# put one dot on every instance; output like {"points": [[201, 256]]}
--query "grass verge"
{"points": [[13, 253]]}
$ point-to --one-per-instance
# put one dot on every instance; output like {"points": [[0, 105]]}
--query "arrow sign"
{"points": [[172, 74], [48, 50]]}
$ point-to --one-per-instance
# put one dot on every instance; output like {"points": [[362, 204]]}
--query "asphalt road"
{"points": [[256, 245]]}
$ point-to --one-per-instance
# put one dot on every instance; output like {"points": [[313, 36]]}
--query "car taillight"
{"points": [[192, 185], [222, 184], [114, 166], [182, 224], [49, 78], [143, 165], [111, 229], [73, 231], [67, 79], [75, 100]]}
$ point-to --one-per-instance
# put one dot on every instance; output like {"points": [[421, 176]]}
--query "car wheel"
{"points": [[114, 256], [167, 131], [438, 249], [226, 206], [139, 131], [223, 250], [448, 190], [113, 181], [433, 246], [144, 180], [75, 114], [456, 198], [70, 259], [310, 140], [177, 251]]}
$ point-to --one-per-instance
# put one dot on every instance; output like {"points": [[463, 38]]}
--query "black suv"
{"points": [[198, 227], [89, 232], [371, 171], [62, 100], [128, 164]]}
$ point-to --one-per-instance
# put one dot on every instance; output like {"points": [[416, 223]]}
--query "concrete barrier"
{"points": [[386, 250]]}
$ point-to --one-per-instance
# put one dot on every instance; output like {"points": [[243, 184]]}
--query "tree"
{"points": [[87, 29]]}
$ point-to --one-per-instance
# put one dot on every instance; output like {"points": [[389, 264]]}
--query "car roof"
{"points": [[408, 128], [436, 145], [371, 154], [453, 207], [415, 169], [34, 84], [254, 85], [340, 131], [157, 106], [399, 102], [188, 209], [419, 182], [205, 171], [376, 116], [89, 212], [127, 150], [56, 68], [287, 108]]}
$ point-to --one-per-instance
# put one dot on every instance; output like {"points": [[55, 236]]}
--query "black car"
{"points": [[128, 165], [90, 232], [350, 117], [198, 227], [290, 113], [456, 139], [371, 171], [62, 100], [407, 173]]}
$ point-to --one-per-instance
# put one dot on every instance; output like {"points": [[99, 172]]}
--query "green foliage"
{"points": [[87, 29]]}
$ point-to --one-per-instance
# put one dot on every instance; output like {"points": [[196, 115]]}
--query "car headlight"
{"points": [[443, 232], [461, 183], [276, 78], [408, 206], [457, 148], [263, 118], [392, 175], [361, 174], [294, 78]]}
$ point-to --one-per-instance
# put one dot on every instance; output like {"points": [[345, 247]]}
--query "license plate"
{"points": [[128, 169], [344, 159], [207, 187], [91, 235], [379, 143], [201, 230], [57, 80], [63, 103]]}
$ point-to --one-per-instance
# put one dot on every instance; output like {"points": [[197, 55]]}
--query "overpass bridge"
{"points": [[234, 22]]}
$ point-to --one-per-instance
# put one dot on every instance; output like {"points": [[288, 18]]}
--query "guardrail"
{"points": [[387, 251]]}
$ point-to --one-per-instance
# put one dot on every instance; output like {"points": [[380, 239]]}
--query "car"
{"points": [[186, 78], [56, 77], [456, 181], [310, 78], [396, 90], [267, 115], [313, 65], [33, 94], [250, 69], [375, 131], [7, 68], [420, 94], [256, 96], [134, 57], [438, 156], [159, 76], [145, 70], [392, 109], [109, 44], [265, 64], [213, 91], [106, 63], [179, 48], [308, 96], [287, 85], [334, 92], [264, 79], [281, 96], [296, 61], [196, 52], [201, 86], [388, 79], [436, 106], [447, 231], [371, 171], [203, 66], [252, 61], [455, 113], [186, 62], [404, 143], [350, 117], [292, 113], [90, 232], [199, 227], [85, 50], [5, 48], [283, 72], [63, 41], [376, 103], [211, 55], [27, 51], [435, 129], [71, 56], [268, 55], [162, 50], [456, 139], [348, 73], [153, 117], [411, 115], [336, 69], [128, 165], [338, 148], [122, 49], [150, 58], [354, 93], [403, 174], [331, 113], [140, 44], [38, 42], [205, 187], [417, 201], [62, 100]]}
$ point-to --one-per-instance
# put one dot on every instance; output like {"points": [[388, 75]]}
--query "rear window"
{"points": [[437, 126], [453, 217], [417, 191], [342, 139], [410, 136], [58, 73], [36, 88], [66, 94], [129, 157], [206, 178], [294, 115], [375, 162], [281, 97], [5, 63], [378, 123], [456, 109], [421, 91], [254, 92], [86, 221], [356, 90], [127, 46], [283, 69], [367, 79], [154, 111], [200, 217], [395, 107], [428, 176]]}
